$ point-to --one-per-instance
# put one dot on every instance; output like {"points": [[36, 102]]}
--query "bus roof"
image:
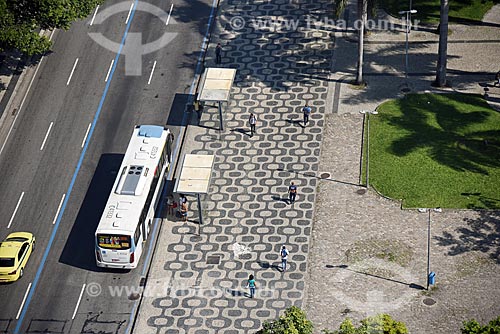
{"points": [[131, 187]]}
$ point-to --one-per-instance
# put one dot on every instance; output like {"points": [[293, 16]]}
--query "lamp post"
{"points": [[407, 13], [367, 142], [428, 248], [429, 244]]}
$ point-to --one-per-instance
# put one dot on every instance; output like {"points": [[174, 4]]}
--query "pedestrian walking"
{"points": [[284, 257], [292, 193], [251, 285], [218, 54], [307, 112], [252, 120], [497, 79]]}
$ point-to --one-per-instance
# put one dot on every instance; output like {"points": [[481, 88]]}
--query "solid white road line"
{"points": [[46, 136], [15, 210], [151, 75], [59, 208], [169, 14], [86, 134], [72, 71], [24, 300], [79, 300], [109, 71], [129, 12], [95, 13], [24, 98]]}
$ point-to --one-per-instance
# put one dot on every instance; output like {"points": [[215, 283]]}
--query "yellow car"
{"points": [[15, 251]]}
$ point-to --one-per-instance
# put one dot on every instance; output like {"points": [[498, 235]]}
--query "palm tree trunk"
{"points": [[362, 7], [443, 45]]}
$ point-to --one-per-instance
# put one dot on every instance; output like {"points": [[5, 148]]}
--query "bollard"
{"points": [[432, 278]]}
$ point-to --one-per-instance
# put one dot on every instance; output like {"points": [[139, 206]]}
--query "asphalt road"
{"points": [[42, 154]]}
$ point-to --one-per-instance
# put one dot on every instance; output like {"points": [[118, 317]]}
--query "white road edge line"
{"points": [[72, 71], [15, 210], [129, 12], [169, 14], [59, 208], [95, 13], [152, 70], [109, 71], [24, 301], [46, 136], [24, 98], [79, 300], [86, 134]]}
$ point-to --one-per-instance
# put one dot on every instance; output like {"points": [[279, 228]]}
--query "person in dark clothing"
{"points": [[218, 54], [307, 112], [292, 193]]}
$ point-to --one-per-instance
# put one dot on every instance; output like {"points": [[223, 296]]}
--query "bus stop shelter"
{"points": [[194, 179], [216, 84]]}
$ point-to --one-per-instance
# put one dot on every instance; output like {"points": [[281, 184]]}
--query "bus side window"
{"points": [[137, 234], [168, 145]]}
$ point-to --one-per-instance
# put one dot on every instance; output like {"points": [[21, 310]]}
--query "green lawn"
{"points": [[428, 10], [437, 150]]}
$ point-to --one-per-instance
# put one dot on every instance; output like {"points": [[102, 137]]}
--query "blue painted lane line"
{"points": [[73, 179]]}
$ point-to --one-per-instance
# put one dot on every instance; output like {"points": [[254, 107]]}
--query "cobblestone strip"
{"points": [[247, 219]]}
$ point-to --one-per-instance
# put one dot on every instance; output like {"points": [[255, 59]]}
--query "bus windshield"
{"points": [[113, 241]]}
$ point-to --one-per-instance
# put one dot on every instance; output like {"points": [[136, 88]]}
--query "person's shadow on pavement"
{"points": [[281, 199], [267, 265], [242, 131], [296, 121], [237, 293]]}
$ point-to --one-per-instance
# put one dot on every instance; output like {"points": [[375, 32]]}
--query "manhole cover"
{"points": [[325, 175], [361, 191], [213, 259], [429, 301], [134, 296]]}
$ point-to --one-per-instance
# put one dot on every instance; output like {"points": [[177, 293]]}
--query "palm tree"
{"points": [[363, 13], [443, 45]]}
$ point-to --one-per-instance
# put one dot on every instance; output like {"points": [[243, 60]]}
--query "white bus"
{"points": [[128, 216]]}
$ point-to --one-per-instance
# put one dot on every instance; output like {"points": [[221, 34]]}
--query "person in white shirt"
{"points": [[284, 257], [252, 120]]}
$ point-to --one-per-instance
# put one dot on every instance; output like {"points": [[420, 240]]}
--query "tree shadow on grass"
{"points": [[461, 138], [481, 234]]}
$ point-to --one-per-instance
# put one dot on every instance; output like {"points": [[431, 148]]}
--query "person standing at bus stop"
{"points": [[183, 207], [171, 204], [184, 211], [182, 199]]}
